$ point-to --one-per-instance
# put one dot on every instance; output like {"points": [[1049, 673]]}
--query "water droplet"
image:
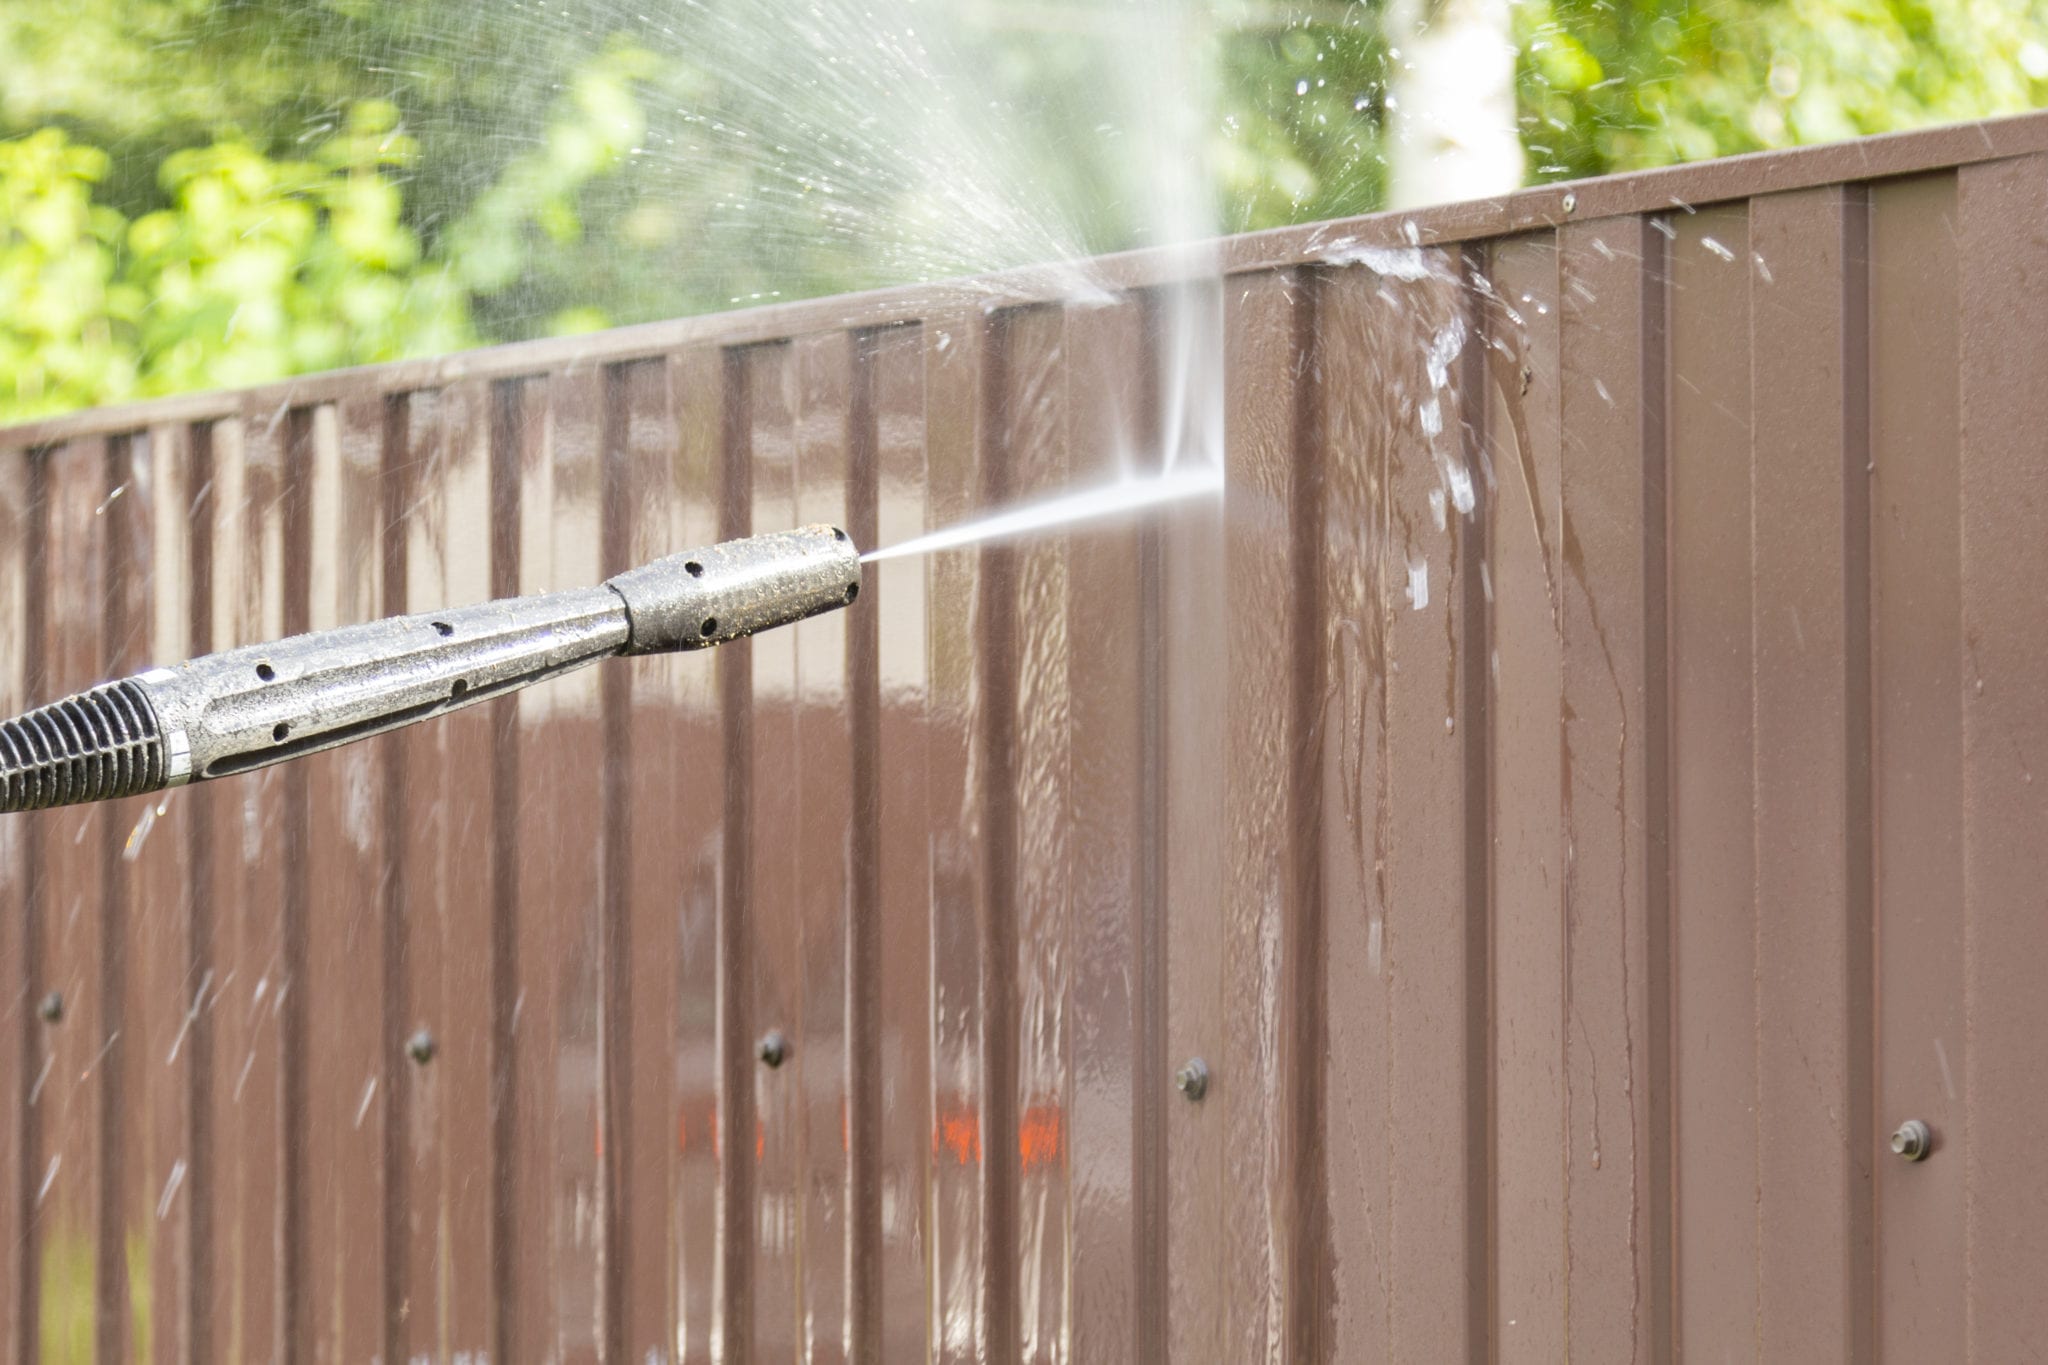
{"points": [[144, 823], [171, 1185]]}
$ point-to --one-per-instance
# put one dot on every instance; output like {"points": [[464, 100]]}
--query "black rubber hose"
{"points": [[97, 746]]}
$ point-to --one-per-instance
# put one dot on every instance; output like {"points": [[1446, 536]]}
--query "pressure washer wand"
{"points": [[247, 708]]}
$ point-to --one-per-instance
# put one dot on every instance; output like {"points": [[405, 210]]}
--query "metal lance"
{"points": [[245, 708]]}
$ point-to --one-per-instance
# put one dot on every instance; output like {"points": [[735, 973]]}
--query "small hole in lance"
{"points": [[458, 690], [852, 591], [266, 672], [693, 568], [710, 627], [281, 732], [444, 628]]}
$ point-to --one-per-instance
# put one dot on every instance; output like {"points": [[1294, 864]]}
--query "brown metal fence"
{"points": [[1567, 906]]}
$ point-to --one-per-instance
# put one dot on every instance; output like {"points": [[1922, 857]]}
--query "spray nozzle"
{"points": [[246, 708]]}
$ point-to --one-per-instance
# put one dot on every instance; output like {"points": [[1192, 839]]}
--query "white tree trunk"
{"points": [[1452, 124]]}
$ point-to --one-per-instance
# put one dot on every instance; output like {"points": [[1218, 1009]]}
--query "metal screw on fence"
{"points": [[52, 1007], [773, 1048], [420, 1047], [1571, 201], [1913, 1141], [1192, 1080]]}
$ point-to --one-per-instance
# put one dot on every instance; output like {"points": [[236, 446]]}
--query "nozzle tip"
{"points": [[724, 592]]}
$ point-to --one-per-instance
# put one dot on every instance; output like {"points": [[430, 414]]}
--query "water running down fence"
{"points": [[1566, 902]]}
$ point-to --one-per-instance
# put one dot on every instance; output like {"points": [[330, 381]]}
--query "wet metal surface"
{"points": [[1310, 925]]}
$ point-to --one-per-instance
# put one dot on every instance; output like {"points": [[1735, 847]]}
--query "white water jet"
{"points": [[1066, 509]]}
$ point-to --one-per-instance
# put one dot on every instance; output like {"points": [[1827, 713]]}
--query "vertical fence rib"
{"points": [[507, 471], [865, 1237], [201, 975], [736, 1113], [2003, 317]]}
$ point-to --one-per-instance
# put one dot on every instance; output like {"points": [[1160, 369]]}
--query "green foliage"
{"points": [[66, 1298], [63, 316], [256, 269], [264, 268], [1625, 84], [199, 193], [523, 248], [1301, 130]]}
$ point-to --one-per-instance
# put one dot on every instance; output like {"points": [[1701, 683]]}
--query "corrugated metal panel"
{"points": [[1567, 902]]}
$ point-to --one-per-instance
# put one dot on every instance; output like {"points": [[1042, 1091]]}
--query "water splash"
{"points": [[139, 835], [1067, 509]]}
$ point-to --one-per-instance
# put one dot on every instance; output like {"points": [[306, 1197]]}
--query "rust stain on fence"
{"points": [[1567, 901]]}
